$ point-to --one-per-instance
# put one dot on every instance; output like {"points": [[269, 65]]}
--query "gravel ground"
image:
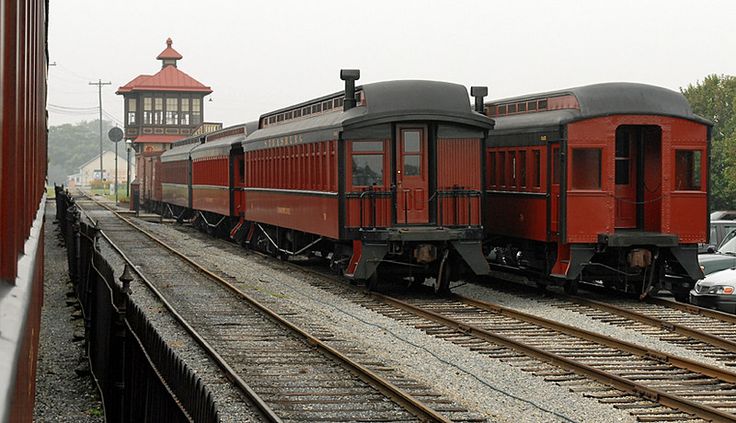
{"points": [[230, 402], [500, 391], [571, 318], [61, 395]]}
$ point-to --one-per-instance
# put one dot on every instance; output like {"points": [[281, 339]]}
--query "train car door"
{"points": [[554, 178], [626, 177], [412, 178]]}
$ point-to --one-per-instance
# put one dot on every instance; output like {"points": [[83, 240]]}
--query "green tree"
{"points": [[715, 99], [71, 145]]}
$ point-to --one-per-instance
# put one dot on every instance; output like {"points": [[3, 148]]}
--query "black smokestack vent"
{"points": [[349, 76], [478, 93]]}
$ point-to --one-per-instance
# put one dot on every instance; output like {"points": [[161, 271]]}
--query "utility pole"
{"points": [[99, 84]]}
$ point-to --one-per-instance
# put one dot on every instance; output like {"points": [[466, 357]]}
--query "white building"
{"points": [[90, 170]]}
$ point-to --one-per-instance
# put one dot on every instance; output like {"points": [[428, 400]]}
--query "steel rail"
{"points": [[406, 400], [693, 309], [708, 338], [230, 373], [623, 384]]}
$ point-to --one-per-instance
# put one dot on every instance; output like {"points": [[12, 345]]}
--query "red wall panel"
{"points": [[307, 213]]}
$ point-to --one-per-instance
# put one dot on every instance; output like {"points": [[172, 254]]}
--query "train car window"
{"points": [[372, 146], [298, 113], [492, 162], [521, 107], [412, 142], [241, 170], [688, 165], [306, 111], [623, 157], [338, 102], [280, 118], [537, 169], [502, 168], [531, 106], [412, 165], [288, 115], [586, 168], [511, 108], [501, 110], [327, 105], [317, 108], [522, 169], [512, 168], [367, 169], [492, 111], [542, 105]]}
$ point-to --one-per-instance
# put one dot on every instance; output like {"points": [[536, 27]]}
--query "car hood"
{"points": [[716, 262], [724, 277]]}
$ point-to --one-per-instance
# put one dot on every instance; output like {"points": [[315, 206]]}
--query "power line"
{"points": [[58, 106]]}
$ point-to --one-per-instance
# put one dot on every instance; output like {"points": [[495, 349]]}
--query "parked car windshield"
{"points": [[728, 245]]}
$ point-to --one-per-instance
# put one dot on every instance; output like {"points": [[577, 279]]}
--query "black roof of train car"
{"points": [[381, 102], [598, 100]]}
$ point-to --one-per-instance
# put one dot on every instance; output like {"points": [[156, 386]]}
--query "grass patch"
{"points": [[95, 412]]}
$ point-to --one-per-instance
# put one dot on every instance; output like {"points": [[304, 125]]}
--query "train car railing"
{"points": [[455, 207], [139, 376], [371, 197], [455, 203]]}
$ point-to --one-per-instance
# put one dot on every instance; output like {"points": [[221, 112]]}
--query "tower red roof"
{"points": [[169, 78], [169, 52]]}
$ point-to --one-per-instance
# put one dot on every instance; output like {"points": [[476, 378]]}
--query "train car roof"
{"points": [[219, 143], [180, 150], [599, 100], [388, 101]]}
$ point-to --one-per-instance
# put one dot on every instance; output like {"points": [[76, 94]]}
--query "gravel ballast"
{"points": [[61, 394], [499, 391]]}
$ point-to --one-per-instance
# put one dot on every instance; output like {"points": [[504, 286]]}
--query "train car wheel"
{"points": [[416, 281], [373, 283], [681, 296], [442, 282]]}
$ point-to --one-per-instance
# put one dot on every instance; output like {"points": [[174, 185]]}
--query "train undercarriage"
{"points": [[396, 256], [635, 268]]}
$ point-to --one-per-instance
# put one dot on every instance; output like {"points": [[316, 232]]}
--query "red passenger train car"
{"points": [[202, 177], [604, 183], [383, 178]]}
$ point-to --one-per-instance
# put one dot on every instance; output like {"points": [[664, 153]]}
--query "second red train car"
{"points": [[604, 183]]}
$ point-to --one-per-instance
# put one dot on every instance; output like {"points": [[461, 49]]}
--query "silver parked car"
{"points": [[718, 289], [718, 231]]}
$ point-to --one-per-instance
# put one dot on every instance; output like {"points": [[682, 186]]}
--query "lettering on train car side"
{"points": [[283, 210], [281, 141]]}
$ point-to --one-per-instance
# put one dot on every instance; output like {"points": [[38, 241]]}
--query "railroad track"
{"points": [[707, 332], [290, 374], [646, 378], [651, 385]]}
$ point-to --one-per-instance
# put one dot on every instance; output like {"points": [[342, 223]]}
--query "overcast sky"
{"points": [[263, 55]]}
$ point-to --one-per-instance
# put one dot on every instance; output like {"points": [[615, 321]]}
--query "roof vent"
{"points": [[478, 93], [349, 76]]}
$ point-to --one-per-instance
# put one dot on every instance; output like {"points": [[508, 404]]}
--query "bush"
{"points": [[98, 184]]}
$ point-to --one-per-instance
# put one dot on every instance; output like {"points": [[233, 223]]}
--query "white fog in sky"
{"points": [[263, 55]]}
